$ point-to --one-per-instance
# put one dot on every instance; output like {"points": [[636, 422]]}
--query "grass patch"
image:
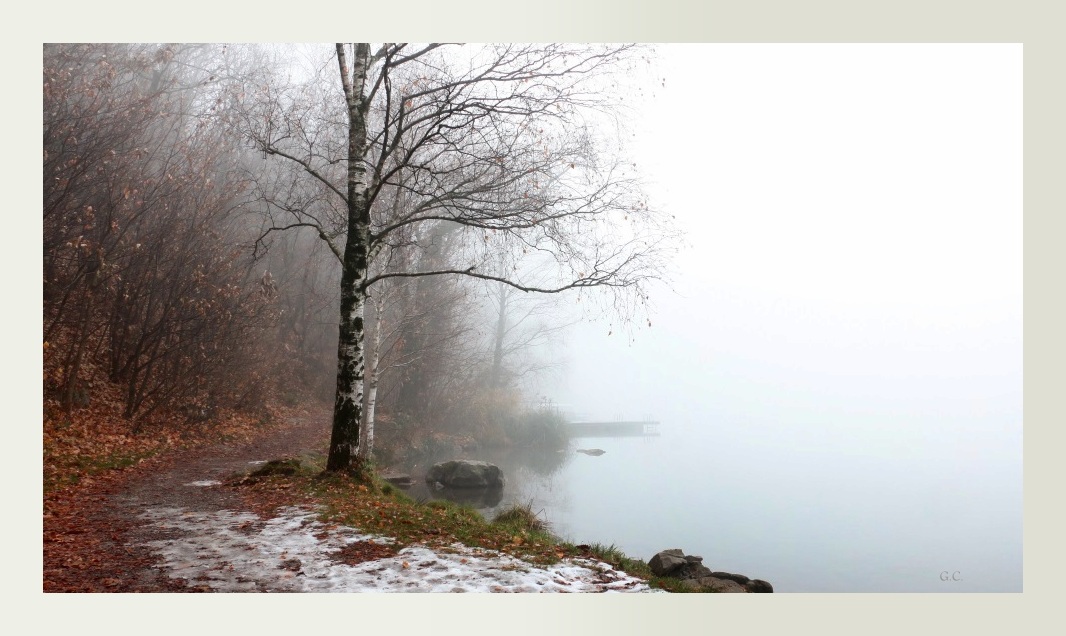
{"points": [[380, 508], [521, 518], [613, 555]]}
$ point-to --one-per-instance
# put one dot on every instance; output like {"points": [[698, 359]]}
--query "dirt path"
{"points": [[96, 542], [171, 526]]}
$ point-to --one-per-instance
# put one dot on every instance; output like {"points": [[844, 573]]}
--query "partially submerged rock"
{"points": [[595, 452], [697, 577], [403, 480], [465, 473]]}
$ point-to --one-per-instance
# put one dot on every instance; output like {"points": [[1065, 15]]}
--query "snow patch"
{"points": [[204, 483], [293, 552]]}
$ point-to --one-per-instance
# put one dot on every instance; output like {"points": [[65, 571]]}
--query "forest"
{"points": [[394, 229]]}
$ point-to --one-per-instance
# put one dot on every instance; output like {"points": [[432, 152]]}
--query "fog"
{"points": [[837, 361], [834, 356]]}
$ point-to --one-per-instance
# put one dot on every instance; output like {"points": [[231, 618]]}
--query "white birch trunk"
{"points": [[351, 364], [366, 433]]}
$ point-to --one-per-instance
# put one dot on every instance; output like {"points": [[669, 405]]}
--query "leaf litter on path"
{"points": [[167, 525]]}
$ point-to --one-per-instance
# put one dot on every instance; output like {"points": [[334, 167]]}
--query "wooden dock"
{"points": [[642, 428]]}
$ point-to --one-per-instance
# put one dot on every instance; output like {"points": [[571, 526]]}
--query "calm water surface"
{"points": [[808, 514]]}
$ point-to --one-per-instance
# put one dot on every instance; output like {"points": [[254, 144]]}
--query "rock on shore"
{"points": [[694, 575]]}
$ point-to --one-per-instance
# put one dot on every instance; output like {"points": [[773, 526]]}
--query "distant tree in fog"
{"points": [[520, 328]]}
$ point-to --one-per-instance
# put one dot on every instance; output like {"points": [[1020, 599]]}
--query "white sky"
{"points": [[850, 209], [872, 169], [845, 174]]}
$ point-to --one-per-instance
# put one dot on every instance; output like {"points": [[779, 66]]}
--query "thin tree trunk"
{"points": [[70, 385], [501, 331], [350, 361], [366, 434]]}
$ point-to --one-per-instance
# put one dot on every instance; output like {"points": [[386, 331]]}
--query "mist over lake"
{"points": [[837, 362], [826, 511]]}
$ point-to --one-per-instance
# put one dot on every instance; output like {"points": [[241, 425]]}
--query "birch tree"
{"points": [[502, 147]]}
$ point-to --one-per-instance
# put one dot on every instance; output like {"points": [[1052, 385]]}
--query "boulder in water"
{"points": [[465, 473]]}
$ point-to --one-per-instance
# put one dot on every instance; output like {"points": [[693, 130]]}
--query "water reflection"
{"points": [[480, 498]]}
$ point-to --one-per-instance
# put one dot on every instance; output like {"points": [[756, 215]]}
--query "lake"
{"points": [[808, 513]]}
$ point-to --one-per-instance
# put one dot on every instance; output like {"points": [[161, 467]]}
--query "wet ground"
{"points": [[177, 526]]}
